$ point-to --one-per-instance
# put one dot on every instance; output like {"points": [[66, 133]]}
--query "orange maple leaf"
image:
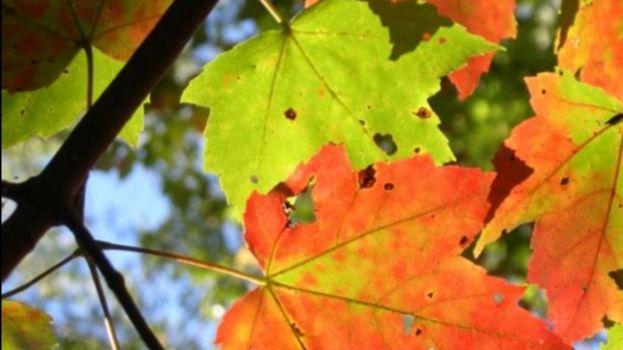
{"points": [[380, 267]]}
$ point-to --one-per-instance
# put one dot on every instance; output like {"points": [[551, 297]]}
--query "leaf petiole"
{"points": [[186, 261]]}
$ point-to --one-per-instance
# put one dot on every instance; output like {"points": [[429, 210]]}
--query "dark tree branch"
{"points": [[67, 171]]}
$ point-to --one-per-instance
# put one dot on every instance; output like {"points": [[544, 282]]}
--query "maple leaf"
{"points": [[593, 45], [25, 328], [493, 20], [574, 147], [50, 109], [44, 68], [40, 38], [615, 338], [345, 71], [379, 268]]}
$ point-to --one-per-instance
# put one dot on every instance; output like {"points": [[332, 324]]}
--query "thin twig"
{"points": [[114, 280], [186, 261], [88, 51], [274, 11], [110, 329], [42, 275]]}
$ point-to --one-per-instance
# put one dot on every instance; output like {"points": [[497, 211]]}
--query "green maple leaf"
{"points": [[345, 71], [53, 108]]}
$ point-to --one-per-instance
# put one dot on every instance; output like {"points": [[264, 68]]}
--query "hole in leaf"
{"points": [[418, 331], [407, 323], [617, 276], [416, 150], [300, 208], [386, 143], [430, 295], [366, 177], [290, 114], [498, 298], [564, 181]]}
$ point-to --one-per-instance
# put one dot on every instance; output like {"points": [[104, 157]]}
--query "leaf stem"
{"points": [[110, 329], [88, 51], [186, 261], [42, 275], [280, 18]]}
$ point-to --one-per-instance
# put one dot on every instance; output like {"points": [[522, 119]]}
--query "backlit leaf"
{"points": [[574, 191], [379, 268], [347, 71], [42, 47], [53, 108], [615, 338], [493, 20], [40, 37], [594, 45], [25, 328]]}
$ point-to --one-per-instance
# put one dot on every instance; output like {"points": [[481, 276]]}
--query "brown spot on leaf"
{"points": [[463, 240], [290, 114], [430, 295], [416, 150], [423, 113], [616, 119], [442, 40], [253, 179], [564, 181], [418, 331], [366, 177], [296, 330], [388, 186]]}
